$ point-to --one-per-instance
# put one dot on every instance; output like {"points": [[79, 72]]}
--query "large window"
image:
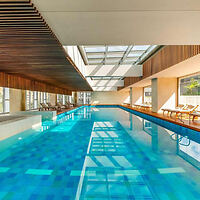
{"points": [[189, 90], [61, 98], [190, 86], [147, 94], [4, 100], [33, 99], [29, 100], [84, 97]]}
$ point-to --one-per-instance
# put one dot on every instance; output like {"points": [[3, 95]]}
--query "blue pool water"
{"points": [[101, 153]]}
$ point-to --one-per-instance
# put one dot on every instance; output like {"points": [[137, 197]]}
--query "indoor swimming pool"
{"points": [[101, 152]]}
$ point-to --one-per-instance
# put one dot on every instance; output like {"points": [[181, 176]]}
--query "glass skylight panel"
{"points": [[106, 78], [111, 55], [133, 54], [115, 55], [93, 61], [110, 60], [117, 48], [95, 49], [140, 47], [130, 60], [95, 56]]}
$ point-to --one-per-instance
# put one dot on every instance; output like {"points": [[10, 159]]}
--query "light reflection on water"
{"points": [[100, 153]]}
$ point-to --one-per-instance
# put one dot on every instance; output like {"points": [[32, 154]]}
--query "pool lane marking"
{"points": [[117, 172], [39, 171], [4, 169], [172, 170]]}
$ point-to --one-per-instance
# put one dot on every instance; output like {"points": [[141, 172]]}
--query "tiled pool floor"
{"points": [[104, 153]]}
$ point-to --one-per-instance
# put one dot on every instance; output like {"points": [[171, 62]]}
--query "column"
{"points": [[131, 97], [17, 100], [75, 97], [164, 93], [53, 98]]}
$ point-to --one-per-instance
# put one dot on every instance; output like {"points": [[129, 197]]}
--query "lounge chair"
{"points": [[60, 106], [168, 110], [190, 109], [44, 106], [51, 106], [70, 105], [65, 106], [146, 106], [194, 114], [137, 105]]}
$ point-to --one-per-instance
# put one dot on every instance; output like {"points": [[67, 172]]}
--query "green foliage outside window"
{"points": [[190, 86], [190, 89]]}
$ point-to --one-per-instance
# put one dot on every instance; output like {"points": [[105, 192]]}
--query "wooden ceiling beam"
{"points": [[30, 49]]}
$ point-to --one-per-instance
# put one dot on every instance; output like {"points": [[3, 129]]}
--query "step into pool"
{"points": [[102, 152]]}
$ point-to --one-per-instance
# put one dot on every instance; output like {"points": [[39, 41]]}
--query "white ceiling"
{"points": [[122, 22]]}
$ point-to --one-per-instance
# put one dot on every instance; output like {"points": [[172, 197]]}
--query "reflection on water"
{"points": [[132, 158], [101, 153]]}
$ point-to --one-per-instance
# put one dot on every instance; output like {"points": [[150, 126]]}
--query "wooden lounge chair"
{"points": [[65, 106], [168, 110], [194, 114], [137, 105], [44, 106], [190, 109], [178, 109], [70, 105], [51, 106], [146, 106], [60, 106]]}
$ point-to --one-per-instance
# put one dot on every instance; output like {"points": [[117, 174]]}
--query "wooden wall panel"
{"points": [[12, 81], [29, 49], [168, 56], [131, 80]]}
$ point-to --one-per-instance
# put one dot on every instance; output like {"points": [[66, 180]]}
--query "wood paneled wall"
{"points": [[17, 82], [28, 48], [168, 56]]}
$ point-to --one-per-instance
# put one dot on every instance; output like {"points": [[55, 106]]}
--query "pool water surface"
{"points": [[101, 153]]}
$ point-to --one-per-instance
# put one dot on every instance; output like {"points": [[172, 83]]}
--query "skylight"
{"points": [[115, 55]]}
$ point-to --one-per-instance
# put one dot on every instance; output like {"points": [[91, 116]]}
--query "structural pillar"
{"points": [[131, 97], [75, 97], [23, 100], [53, 98], [164, 93]]}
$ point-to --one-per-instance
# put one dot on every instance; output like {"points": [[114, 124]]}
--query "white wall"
{"points": [[193, 100], [110, 97], [75, 55], [137, 95], [164, 93]]}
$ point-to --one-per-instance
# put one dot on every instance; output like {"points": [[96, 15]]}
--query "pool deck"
{"points": [[185, 122], [195, 125]]}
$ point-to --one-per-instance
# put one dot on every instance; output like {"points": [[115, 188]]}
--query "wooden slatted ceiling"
{"points": [[29, 49]]}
